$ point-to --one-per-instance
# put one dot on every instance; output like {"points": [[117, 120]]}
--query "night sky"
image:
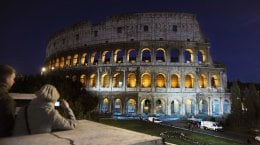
{"points": [[232, 26]]}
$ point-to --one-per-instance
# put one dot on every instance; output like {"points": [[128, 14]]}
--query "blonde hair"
{"points": [[48, 92]]}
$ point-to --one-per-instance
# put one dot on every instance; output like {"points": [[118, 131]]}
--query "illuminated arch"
{"points": [[93, 81], [84, 59], [175, 107], [146, 80], [62, 62], [131, 55], [189, 81], [202, 56], [175, 55], [160, 81], [106, 57], [94, 58], [117, 80], [146, 55], [68, 60], [75, 59], [118, 106], [226, 107], [203, 81], [215, 107], [131, 106], [118, 56], [105, 81], [160, 55], [57, 63], [189, 56], [146, 106], [175, 81], [190, 107], [83, 80], [105, 105], [214, 81], [131, 80], [160, 106], [203, 107]]}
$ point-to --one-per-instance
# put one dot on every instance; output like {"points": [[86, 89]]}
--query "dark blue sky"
{"points": [[232, 26]]}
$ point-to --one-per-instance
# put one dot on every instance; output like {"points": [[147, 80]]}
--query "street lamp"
{"points": [[43, 70]]}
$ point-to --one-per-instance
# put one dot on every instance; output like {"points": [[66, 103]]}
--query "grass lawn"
{"points": [[156, 129]]}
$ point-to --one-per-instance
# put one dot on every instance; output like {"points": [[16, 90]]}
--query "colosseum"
{"points": [[153, 63]]}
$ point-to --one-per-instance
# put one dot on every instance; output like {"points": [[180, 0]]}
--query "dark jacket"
{"points": [[7, 112]]}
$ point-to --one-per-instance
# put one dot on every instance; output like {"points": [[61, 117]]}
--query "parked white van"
{"points": [[154, 119], [211, 125]]}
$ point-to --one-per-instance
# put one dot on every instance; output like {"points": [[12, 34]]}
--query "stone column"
{"points": [[220, 106], [209, 106]]}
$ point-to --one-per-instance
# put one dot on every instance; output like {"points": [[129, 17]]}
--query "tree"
{"points": [[236, 107]]}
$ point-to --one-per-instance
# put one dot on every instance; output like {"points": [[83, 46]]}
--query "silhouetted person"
{"points": [[7, 104]]}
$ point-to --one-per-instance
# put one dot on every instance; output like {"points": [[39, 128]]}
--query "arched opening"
{"points": [[105, 81], [189, 81], [175, 107], [160, 55], [160, 81], [203, 107], [68, 60], [131, 80], [118, 56], [105, 105], [188, 56], [131, 106], [132, 55], [74, 78], [203, 81], [75, 59], [175, 55], [146, 55], [215, 107], [118, 80], [106, 57], [201, 56], [84, 59], [214, 81], [226, 107], [118, 106], [94, 58], [146, 106], [160, 107], [83, 80], [57, 63], [92, 81], [190, 107], [175, 81], [62, 62], [146, 80]]}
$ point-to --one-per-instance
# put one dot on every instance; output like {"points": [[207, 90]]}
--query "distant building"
{"points": [[142, 63]]}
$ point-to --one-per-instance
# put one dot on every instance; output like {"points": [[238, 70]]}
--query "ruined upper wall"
{"points": [[168, 26]]}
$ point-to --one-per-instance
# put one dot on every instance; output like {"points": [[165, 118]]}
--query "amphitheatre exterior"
{"points": [[156, 63]]}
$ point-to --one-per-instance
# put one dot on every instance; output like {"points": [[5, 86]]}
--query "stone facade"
{"points": [[142, 63]]}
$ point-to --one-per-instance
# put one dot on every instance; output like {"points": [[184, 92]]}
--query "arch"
{"points": [[146, 55], [160, 106], [202, 56], [146, 106], [131, 80], [62, 62], [118, 106], [190, 107], [175, 55], [215, 107], [131, 106], [83, 80], [203, 107], [105, 81], [118, 80], [57, 63], [93, 81], [160, 55], [175, 107], [189, 81], [131, 55], [75, 59], [226, 107], [214, 81], [68, 60], [74, 78], [160, 80], [203, 81], [146, 80], [94, 58], [84, 59], [105, 105], [175, 81], [188, 56], [106, 57], [118, 56]]}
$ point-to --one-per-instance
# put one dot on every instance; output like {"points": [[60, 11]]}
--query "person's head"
{"points": [[7, 75], [49, 93]]}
